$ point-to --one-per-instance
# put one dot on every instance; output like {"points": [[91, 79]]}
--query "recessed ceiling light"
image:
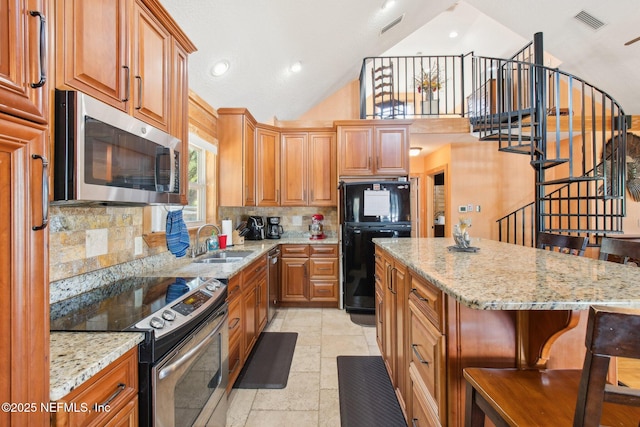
{"points": [[387, 4], [453, 34], [296, 67], [219, 68], [414, 151]]}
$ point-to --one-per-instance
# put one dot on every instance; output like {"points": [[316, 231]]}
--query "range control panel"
{"points": [[180, 312]]}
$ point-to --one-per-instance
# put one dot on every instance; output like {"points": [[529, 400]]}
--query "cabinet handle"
{"points": [[323, 291], [127, 84], [311, 198], [393, 291], [139, 79], [380, 312], [45, 192], [378, 162], [369, 163], [42, 48], [414, 422], [421, 298], [115, 394], [277, 195], [415, 351], [234, 322]]}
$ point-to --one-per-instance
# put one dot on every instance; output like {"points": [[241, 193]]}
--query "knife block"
{"points": [[236, 238]]}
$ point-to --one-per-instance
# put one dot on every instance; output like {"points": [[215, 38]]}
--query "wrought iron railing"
{"points": [[420, 86]]}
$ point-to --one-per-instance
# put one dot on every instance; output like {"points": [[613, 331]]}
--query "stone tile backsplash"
{"points": [[294, 220], [85, 239]]}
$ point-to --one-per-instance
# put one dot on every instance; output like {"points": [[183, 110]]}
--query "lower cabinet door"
{"points": [[422, 411]]}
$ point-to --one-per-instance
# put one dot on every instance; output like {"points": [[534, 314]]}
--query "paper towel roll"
{"points": [[227, 228]]}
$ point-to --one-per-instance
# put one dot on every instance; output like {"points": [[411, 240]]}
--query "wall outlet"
{"points": [[137, 242], [296, 220]]}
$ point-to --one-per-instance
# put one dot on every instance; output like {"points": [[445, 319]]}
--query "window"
{"points": [[195, 210], [201, 169]]}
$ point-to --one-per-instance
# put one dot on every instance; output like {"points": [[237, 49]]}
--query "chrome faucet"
{"points": [[197, 249]]}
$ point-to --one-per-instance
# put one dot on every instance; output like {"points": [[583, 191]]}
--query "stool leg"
{"points": [[473, 415]]}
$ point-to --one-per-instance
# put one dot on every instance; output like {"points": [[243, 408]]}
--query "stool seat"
{"points": [[538, 397]]}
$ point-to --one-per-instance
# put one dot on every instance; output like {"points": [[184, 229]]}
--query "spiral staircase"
{"points": [[575, 137]]}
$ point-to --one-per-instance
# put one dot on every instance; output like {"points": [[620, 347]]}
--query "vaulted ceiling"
{"points": [[261, 40]]}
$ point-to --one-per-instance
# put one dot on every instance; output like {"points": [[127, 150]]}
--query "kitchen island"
{"points": [[502, 306]]}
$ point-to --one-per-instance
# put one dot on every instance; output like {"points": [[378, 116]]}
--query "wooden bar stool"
{"points": [[513, 397], [621, 251], [574, 245]]}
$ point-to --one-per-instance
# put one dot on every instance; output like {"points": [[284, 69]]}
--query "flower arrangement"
{"points": [[431, 80]]}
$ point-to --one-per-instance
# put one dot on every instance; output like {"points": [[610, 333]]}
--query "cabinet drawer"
{"points": [[324, 290], [234, 289], [429, 299], [423, 410], [323, 251], [235, 319], [253, 270], [426, 346], [294, 251], [116, 385], [323, 268]]}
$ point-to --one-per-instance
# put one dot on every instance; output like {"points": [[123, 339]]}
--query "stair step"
{"points": [[548, 163], [489, 126], [571, 179]]}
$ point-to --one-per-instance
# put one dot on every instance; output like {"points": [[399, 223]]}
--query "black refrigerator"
{"points": [[369, 210]]}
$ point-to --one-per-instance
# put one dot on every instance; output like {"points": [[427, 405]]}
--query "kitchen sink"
{"points": [[224, 256]]}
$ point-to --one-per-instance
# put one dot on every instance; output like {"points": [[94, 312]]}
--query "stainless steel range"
{"points": [[183, 360]]}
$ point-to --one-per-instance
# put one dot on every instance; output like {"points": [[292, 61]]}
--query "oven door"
{"points": [[189, 383]]}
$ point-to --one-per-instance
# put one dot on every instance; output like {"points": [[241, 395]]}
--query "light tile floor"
{"points": [[311, 395]]}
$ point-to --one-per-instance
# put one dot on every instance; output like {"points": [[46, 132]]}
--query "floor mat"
{"points": [[367, 398], [269, 362], [363, 319]]}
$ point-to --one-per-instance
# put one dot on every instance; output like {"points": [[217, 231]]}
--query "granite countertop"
{"points": [[77, 356], [188, 268], [504, 276]]}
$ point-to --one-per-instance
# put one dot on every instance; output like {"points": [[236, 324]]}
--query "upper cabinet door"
{"points": [[92, 53], [392, 151], [294, 169], [355, 157], [322, 169], [151, 69], [23, 59], [268, 167]]}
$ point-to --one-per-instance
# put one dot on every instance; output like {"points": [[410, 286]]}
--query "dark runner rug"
{"points": [[367, 398], [269, 362], [363, 319]]}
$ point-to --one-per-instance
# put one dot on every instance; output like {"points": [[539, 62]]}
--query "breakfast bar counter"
{"points": [[503, 276], [502, 306]]}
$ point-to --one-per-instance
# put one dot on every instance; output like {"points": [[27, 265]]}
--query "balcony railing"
{"points": [[412, 86]]}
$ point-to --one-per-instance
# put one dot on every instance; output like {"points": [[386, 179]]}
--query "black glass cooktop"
{"points": [[119, 305]]}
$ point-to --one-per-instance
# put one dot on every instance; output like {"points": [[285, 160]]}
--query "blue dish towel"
{"points": [[177, 234]]}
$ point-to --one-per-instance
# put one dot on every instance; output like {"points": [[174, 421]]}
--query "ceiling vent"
{"points": [[589, 20], [392, 24]]}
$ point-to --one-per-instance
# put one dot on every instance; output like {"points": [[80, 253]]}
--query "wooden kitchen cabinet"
{"points": [[236, 349], [24, 262], [115, 386], [21, 53], [267, 166], [394, 349], [24, 239], [254, 280], [308, 168], [121, 52], [369, 149], [237, 153], [309, 275]]}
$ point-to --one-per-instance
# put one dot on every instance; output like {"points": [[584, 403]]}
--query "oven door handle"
{"points": [[168, 370]]}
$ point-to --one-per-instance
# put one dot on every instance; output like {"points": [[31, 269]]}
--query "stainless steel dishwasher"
{"points": [[274, 281]]}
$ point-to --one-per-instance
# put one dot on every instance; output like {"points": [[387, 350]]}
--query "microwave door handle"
{"points": [[172, 168]]}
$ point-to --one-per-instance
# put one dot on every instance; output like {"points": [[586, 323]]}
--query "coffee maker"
{"points": [[274, 229], [255, 224]]}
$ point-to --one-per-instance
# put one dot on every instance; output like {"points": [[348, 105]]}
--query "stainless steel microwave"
{"points": [[105, 155]]}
